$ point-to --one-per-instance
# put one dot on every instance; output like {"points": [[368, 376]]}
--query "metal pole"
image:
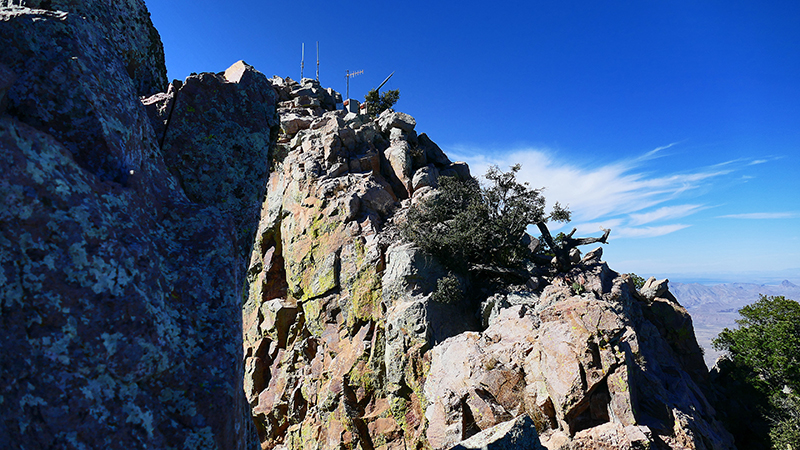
{"points": [[347, 77], [317, 60], [384, 82], [302, 60]]}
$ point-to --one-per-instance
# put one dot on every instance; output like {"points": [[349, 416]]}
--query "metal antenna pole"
{"points": [[384, 82], [317, 60], [302, 60]]}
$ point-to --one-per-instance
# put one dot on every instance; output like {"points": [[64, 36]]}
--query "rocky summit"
{"points": [[216, 264]]}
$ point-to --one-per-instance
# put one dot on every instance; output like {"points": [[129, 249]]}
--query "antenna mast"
{"points": [[302, 60], [317, 60]]}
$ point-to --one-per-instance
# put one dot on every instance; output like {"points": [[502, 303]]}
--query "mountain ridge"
{"points": [[216, 266]]}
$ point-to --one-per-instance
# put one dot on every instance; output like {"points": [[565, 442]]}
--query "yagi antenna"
{"points": [[317, 60], [349, 75], [302, 60]]}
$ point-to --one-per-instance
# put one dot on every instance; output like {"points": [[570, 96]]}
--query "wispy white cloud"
{"points": [[762, 215], [621, 195], [757, 161], [645, 232], [665, 213], [652, 153], [617, 188]]}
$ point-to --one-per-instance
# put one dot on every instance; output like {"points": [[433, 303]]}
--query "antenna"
{"points": [[317, 60], [302, 60], [349, 75], [384, 82]]}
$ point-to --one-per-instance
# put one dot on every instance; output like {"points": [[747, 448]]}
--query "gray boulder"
{"points": [[425, 177], [458, 170], [410, 272], [390, 119], [516, 434], [433, 153], [653, 288]]}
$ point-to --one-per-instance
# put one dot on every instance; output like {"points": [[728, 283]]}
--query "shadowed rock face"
{"points": [[126, 31], [121, 286]]}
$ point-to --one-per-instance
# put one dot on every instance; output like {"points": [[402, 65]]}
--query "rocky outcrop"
{"points": [[316, 345], [588, 367], [121, 281], [345, 348]]}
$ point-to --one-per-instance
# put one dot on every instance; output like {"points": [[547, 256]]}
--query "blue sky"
{"points": [[677, 124]]}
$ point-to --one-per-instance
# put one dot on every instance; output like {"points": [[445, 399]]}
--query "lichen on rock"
{"points": [[121, 296]]}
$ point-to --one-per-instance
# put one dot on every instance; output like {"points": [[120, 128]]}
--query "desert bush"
{"points": [[763, 362], [378, 103], [470, 227]]}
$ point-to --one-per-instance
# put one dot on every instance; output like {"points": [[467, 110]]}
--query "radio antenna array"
{"points": [[347, 77]]}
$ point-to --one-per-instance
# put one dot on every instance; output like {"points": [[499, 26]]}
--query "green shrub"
{"points": [[638, 281], [378, 103], [764, 360], [470, 228], [448, 290]]}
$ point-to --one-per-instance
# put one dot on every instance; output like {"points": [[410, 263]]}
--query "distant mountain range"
{"points": [[716, 307]]}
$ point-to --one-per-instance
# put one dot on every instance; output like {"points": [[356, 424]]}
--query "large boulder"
{"points": [[517, 434], [71, 85], [217, 141]]}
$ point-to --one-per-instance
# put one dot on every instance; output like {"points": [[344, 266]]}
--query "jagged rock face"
{"points": [[344, 347], [120, 298], [587, 367], [126, 30], [215, 138], [319, 328]]}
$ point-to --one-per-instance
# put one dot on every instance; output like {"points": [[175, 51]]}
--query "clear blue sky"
{"points": [[677, 124]]}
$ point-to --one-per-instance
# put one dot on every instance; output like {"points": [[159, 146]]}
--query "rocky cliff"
{"points": [[215, 262], [123, 235], [345, 347]]}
